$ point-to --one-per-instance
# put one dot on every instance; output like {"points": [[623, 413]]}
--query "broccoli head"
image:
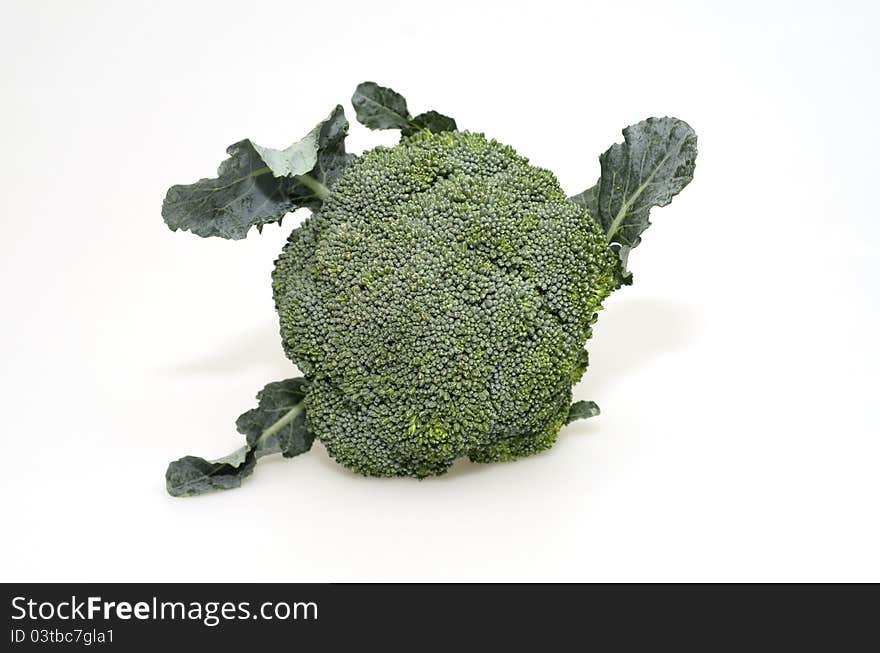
{"points": [[438, 299], [438, 303]]}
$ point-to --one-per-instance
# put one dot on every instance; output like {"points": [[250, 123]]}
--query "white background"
{"points": [[737, 377]]}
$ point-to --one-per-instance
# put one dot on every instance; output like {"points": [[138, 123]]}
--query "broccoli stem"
{"points": [[319, 189]]}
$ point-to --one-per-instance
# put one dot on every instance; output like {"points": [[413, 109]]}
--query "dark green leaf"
{"points": [[190, 475], [244, 194], [258, 185], [582, 410], [653, 164], [276, 425], [430, 120], [379, 107]]}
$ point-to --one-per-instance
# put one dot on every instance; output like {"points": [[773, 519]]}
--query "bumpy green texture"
{"points": [[438, 305]]}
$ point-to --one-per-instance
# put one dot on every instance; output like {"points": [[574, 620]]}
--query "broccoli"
{"points": [[438, 300]]}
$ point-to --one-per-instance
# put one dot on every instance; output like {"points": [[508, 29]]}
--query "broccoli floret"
{"points": [[438, 305]]}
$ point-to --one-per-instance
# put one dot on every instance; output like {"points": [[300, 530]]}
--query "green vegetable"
{"points": [[439, 298]]}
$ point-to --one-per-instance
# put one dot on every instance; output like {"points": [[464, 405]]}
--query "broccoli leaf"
{"points": [[276, 425], [379, 107], [582, 410], [432, 121], [258, 185], [191, 475], [244, 194], [653, 164]]}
